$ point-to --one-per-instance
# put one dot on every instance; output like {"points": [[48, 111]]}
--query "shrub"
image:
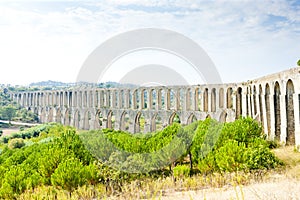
{"points": [[230, 157], [16, 143], [181, 171], [69, 174]]}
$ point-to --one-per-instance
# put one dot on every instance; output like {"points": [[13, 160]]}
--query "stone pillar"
{"points": [[142, 99], [121, 99], [177, 99], [297, 120], [113, 99], [193, 103], [167, 99], [244, 102], [257, 106], [283, 118], [126, 100], [158, 104], [150, 99], [272, 115], [234, 100], [209, 100], [264, 110], [217, 99]]}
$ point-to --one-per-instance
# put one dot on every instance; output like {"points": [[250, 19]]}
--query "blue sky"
{"points": [[42, 40]]}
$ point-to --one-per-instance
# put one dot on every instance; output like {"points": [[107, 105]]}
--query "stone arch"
{"points": [[205, 100], [124, 121], [174, 118], [77, 119], [238, 108], [290, 119], [67, 118], [110, 120], [229, 102], [139, 123], [277, 114], [192, 118], [223, 116], [86, 120], [221, 98], [58, 116], [268, 110], [156, 123], [98, 120], [213, 100]]}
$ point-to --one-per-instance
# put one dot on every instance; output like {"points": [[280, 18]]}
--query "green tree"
{"points": [[8, 112], [298, 63]]}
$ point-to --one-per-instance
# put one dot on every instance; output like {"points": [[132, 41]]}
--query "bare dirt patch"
{"points": [[8, 131]]}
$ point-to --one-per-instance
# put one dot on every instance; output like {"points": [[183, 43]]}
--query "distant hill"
{"points": [[50, 84]]}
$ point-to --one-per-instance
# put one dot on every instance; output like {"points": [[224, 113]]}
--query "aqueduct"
{"points": [[273, 100]]}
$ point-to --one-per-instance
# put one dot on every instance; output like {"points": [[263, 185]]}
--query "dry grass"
{"points": [[291, 158]]}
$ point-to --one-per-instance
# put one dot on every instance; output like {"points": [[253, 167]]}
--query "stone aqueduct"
{"points": [[273, 100]]}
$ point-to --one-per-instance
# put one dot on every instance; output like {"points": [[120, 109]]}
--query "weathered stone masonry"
{"points": [[273, 100]]}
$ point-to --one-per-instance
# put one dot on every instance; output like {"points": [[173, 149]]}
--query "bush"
{"points": [[230, 157], [16, 143], [181, 171], [1, 132], [69, 174]]}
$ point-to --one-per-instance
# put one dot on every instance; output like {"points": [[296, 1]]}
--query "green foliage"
{"points": [[44, 163], [241, 146], [16, 143], [298, 63], [230, 157], [8, 112], [57, 157], [71, 173], [181, 171]]}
